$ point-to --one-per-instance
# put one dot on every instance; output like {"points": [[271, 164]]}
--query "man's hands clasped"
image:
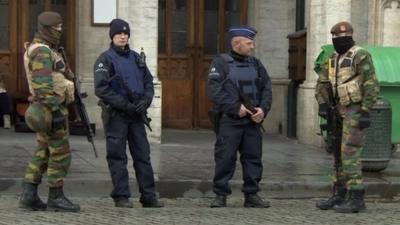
{"points": [[256, 117]]}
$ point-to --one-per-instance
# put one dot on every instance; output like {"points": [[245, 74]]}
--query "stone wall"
{"points": [[322, 15], [274, 20], [92, 40]]}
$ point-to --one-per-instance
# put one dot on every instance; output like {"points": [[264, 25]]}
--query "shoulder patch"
{"points": [[100, 68], [213, 72]]}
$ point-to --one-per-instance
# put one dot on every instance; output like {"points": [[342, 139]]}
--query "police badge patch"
{"points": [[100, 68], [213, 72]]}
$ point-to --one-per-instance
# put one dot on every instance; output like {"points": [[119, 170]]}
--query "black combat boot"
{"points": [[58, 202], [152, 204], [124, 203], [255, 201], [219, 201], [30, 199], [337, 198], [354, 204]]}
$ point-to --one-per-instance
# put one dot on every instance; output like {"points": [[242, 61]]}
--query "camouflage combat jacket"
{"points": [[352, 77], [45, 70]]}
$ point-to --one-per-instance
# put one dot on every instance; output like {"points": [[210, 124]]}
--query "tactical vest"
{"points": [[62, 87], [245, 76], [345, 82], [126, 67]]}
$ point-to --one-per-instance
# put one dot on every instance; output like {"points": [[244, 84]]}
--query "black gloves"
{"points": [[323, 110], [141, 105], [59, 121], [364, 121]]}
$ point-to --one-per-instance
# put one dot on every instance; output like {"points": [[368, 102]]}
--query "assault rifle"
{"points": [[133, 98], [80, 107], [333, 129]]}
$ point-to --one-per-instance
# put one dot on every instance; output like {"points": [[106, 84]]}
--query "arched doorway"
{"points": [[191, 33]]}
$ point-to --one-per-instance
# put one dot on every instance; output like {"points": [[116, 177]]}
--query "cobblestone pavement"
{"points": [[99, 211]]}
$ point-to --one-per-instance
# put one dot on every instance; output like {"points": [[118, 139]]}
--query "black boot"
{"points": [[255, 201], [337, 198], [58, 202], [219, 201], [152, 204], [354, 204], [30, 199], [124, 203]]}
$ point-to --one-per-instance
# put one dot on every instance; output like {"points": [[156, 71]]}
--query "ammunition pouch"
{"points": [[349, 93]]}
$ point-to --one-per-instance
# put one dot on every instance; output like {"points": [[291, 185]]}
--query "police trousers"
{"points": [[247, 139], [118, 132]]}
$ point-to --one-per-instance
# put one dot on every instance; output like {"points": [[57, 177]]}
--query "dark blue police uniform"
{"points": [[228, 73], [121, 123]]}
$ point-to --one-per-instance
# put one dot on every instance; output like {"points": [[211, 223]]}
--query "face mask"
{"points": [[342, 44], [51, 35]]}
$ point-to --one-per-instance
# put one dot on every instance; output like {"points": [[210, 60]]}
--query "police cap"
{"points": [[242, 31]]}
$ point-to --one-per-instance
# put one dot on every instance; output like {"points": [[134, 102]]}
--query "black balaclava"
{"points": [[342, 44]]}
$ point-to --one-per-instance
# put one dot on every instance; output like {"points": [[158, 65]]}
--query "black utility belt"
{"points": [[231, 116]]}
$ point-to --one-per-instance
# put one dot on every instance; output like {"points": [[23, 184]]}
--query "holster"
{"points": [[105, 114], [215, 118]]}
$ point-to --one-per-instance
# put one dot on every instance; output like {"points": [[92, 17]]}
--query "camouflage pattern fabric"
{"points": [[52, 155], [53, 152], [41, 67], [38, 117], [353, 138]]}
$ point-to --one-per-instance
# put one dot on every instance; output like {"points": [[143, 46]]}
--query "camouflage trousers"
{"points": [[353, 139], [53, 156]]}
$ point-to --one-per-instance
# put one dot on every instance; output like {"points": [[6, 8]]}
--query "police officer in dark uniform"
{"points": [[119, 73], [231, 75]]}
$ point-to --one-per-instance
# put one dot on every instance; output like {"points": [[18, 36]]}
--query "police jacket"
{"points": [[110, 90], [224, 96]]}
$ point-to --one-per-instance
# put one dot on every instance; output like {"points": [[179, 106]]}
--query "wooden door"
{"points": [[191, 33], [18, 25]]}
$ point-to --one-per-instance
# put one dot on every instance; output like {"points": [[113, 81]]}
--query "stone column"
{"points": [[273, 21], [322, 15], [143, 19]]}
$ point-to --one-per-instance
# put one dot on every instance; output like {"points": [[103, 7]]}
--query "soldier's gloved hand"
{"points": [[364, 121], [130, 109], [323, 110], [141, 105], [59, 121]]}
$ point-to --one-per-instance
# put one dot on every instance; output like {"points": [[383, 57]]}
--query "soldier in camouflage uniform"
{"points": [[350, 75], [47, 114]]}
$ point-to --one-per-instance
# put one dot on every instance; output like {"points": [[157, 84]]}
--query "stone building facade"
{"points": [[376, 22]]}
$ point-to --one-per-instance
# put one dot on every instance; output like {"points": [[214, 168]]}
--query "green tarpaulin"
{"points": [[386, 61]]}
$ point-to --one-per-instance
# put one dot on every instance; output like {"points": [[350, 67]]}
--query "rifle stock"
{"points": [[80, 106]]}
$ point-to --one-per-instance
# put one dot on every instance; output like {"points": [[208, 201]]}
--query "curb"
{"points": [[203, 188]]}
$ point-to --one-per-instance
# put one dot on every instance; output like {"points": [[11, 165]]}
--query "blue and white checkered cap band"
{"points": [[242, 31]]}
